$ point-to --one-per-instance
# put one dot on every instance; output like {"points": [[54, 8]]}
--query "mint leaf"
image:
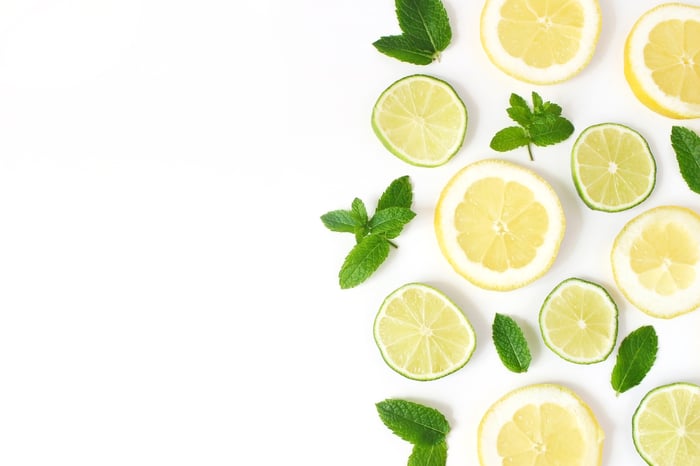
{"points": [[339, 220], [390, 221], [413, 422], [426, 32], [511, 344], [363, 260], [541, 125], [635, 358], [398, 194], [686, 145], [359, 211], [429, 455]]}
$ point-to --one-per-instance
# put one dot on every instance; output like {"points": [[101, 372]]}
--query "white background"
{"points": [[168, 294]]}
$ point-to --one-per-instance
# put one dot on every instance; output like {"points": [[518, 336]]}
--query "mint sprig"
{"points": [[373, 234], [686, 145], [424, 427], [426, 32], [542, 125], [635, 358], [510, 343]]}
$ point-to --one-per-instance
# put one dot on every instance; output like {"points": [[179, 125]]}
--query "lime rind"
{"points": [[603, 293], [579, 184], [393, 148], [448, 302]]}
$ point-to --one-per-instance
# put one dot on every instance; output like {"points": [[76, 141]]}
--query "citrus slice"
{"points": [[612, 167], [540, 424], [662, 60], [578, 321], [498, 224], [666, 425], [421, 120], [656, 261], [540, 41], [422, 334]]}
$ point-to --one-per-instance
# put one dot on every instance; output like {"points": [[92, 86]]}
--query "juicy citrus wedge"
{"points": [[421, 120], [422, 334], [656, 261], [612, 167], [662, 60], [540, 41], [541, 424], [578, 321], [498, 224], [666, 425]]}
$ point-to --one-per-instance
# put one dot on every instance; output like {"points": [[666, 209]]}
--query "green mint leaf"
{"points": [[398, 194], [686, 145], [635, 358], [390, 221], [429, 455], [426, 32], [413, 422], [548, 130], [363, 260], [359, 211], [339, 220], [509, 138], [519, 111], [511, 344], [537, 103]]}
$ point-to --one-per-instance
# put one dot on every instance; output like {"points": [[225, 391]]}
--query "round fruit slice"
{"points": [[421, 120], [540, 41], [666, 425], [422, 334], [498, 224], [541, 424], [662, 60], [578, 321], [656, 261], [612, 167]]}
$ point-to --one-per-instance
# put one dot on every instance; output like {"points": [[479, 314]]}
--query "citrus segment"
{"points": [[578, 321], [666, 425], [612, 167], [421, 120], [656, 261], [499, 224], [662, 60], [422, 334], [540, 41], [540, 424]]}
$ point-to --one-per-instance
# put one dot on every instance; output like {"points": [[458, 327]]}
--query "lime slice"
{"points": [[422, 334], [540, 424], [666, 425], [656, 261], [612, 167], [421, 120], [578, 321]]}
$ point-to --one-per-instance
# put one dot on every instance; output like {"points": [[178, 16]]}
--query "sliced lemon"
{"points": [[540, 424], [662, 60], [540, 41], [666, 425], [578, 321], [656, 261], [421, 120], [498, 224], [422, 334], [612, 167]]}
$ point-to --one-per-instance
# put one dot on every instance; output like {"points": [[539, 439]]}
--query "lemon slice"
{"points": [[666, 427], [540, 424], [612, 167], [656, 261], [540, 41], [498, 224], [662, 60], [578, 321], [422, 334], [421, 120]]}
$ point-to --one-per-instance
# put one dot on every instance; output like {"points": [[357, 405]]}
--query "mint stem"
{"points": [[529, 151], [391, 243]]}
